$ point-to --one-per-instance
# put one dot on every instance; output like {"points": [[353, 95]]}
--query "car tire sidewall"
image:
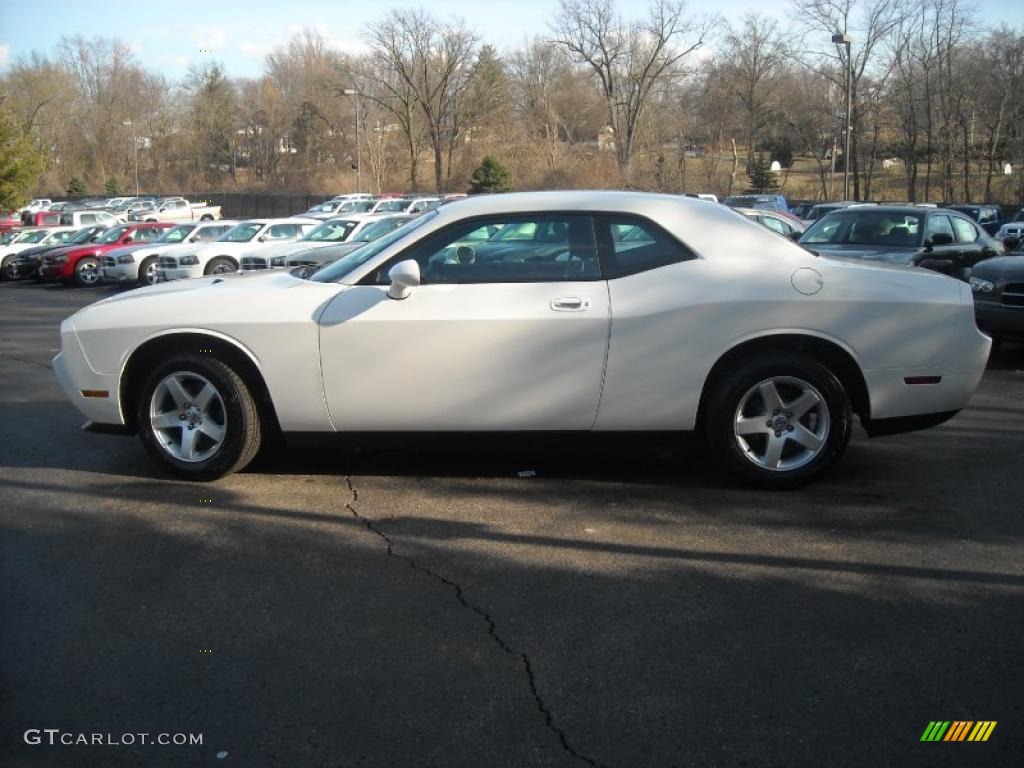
{"points": [[9, 268], [143, 267], [238, 408], [215, 262], [80, 268], [736, 383]]}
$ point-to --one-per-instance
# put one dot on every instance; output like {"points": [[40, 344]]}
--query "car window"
{"points": [[281, 231], [88, 218], [865, 227], [632, 245], [175, 234], [774, 224], [965, 231], [242, 233], [939, 225], [335, 230], [562, 249], [209, 234], [146, 234]]}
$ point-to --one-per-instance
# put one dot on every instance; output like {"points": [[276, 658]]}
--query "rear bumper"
{"points": [[999, 319]]}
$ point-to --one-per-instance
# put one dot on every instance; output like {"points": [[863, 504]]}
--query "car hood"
{"points": [[286, 249], [218, 248], [1009, 268], [218, 286], [865, 252], [325, 255], [38, 250], [121, 250]]}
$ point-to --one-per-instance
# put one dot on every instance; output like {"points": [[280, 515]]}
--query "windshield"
{"points": [[175, 234], [111, 235], [241, 233], [338, 269], [327, 207], [749, 201], [34, 237], [9, 238], [333, 231], [394, 206], [356, 206], [63, 237], [83, 235], [379, 229], [1019, 216], [879, 228]]}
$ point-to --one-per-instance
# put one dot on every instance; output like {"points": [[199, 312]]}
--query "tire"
{"points": [[221, 265], [86, 272], [147, 271], [206, 217], [814, 434], [220, 431], [9, 268]]}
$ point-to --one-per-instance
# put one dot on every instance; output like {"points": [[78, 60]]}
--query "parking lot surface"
{"points": [[421, 604]]}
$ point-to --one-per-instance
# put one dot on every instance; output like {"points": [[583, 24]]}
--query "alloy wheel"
{"points": [[781, 423], [187, 416]]}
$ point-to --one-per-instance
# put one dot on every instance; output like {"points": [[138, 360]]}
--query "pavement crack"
{"points": [[14, 359], [492, 629]]}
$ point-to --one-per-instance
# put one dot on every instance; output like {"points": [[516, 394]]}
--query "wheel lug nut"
{"points": [[789, 428], [768, 423], [789, 414], [775, 412], [778, 434], [181, 416]]}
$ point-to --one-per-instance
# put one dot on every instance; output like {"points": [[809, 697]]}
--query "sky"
{"points": [[168, 37]]}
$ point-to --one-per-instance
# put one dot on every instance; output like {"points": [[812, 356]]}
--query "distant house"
{"points": [[606, 139]]}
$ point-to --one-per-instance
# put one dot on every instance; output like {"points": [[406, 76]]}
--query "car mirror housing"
{"points": [[936, 265], [940, 238], [404, 276]]}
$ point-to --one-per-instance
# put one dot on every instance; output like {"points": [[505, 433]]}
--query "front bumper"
{"points": [[27, 267], [119, 273], [95, 394], [56, 271], [179, 273], [999, 319]]}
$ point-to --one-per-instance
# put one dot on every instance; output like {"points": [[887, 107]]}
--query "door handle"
{"points": [[570, 304]]}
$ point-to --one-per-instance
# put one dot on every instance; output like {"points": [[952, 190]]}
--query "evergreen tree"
{"points": [[20, 164], [490, 176], [762, 178], [76, 187], [113, 188]]}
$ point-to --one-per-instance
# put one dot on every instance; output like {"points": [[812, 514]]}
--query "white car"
{"points": [[29, 238], [543, 311], [331, 232], [335, 208], [138, 263], [224, 254], [39, 204], [176, 209], [79, 219], [405, 205]]}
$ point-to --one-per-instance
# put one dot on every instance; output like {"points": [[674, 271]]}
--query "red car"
{"points": [[40, 219], [81, 264], [9, 221]]}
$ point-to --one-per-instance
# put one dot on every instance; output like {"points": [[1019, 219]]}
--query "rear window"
{"points": [[866, 227]]}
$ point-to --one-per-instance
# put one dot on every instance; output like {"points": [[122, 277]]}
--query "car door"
{"points": [[943, 245], [506, 338], [281, 233]]}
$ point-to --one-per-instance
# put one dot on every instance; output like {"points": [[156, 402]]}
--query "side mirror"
{"points": [[404, 276], [262, 238], [940, 238], [795, 235], [127, 238]]}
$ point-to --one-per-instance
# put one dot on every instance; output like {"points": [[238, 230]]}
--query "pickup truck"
{"points": [[177, 209]]}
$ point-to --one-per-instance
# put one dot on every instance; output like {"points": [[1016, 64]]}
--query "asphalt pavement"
{"points": [[400, 603]]}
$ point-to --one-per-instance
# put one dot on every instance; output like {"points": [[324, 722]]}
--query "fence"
{"points": [[253, 205]]}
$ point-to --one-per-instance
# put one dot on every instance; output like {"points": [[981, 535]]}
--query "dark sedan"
{"points": [[28, 262], [998, 287], [935, 238]]}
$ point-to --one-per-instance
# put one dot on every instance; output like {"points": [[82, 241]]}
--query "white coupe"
{"points": [[546, 311]]}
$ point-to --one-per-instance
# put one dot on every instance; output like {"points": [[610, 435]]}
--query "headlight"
{"points": [[981, 286], [126, 259], [277, 261], [57, 259], [186, 261]]}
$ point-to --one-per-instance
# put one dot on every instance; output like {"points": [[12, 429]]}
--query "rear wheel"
{"points": [[147, 271], [9, 268], [220, 266], [197, 418], [779, 420], [87, 271]]}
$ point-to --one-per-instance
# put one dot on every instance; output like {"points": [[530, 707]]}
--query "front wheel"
{"points": [[87, 272], [198, 418], [147, 271], [9, 268], [779, 420], [220, 266]]}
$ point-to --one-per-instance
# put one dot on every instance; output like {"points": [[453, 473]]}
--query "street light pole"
{"points": [[135, 144], [359, 148], [847, 40]]}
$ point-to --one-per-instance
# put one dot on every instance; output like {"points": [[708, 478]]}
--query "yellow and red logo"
{"points": [[958, 730]]}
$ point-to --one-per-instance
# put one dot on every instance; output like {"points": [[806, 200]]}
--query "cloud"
{"points": [[210, 38], [5, 54], [256, 49]]}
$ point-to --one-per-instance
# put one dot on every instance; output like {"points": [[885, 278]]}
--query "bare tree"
{"points": [[753, 62], [628, 59], [432, 65]]}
